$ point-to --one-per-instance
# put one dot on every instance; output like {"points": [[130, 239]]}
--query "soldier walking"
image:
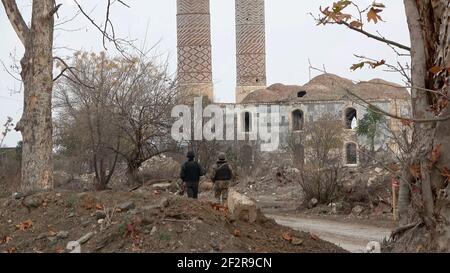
{"points": [[221, 177]]}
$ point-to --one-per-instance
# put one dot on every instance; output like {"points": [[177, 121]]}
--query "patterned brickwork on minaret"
{"points": [[250, 47], [194, 47]]}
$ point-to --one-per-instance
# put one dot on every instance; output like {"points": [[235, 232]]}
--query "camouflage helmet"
{"points": [[222, 157]]}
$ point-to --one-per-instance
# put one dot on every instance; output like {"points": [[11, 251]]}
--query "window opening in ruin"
{"points": [[301, 94], [297, 120], [247, 122], [351, 118]]}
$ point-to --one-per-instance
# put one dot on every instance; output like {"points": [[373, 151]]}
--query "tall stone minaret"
{"points": [[194, 48], [250, 47]]}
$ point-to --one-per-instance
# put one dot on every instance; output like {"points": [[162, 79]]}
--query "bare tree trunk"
{"points": [[37, 75], [428, 23]]}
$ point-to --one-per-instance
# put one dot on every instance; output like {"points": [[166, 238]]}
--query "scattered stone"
{"points": [[297, 241], [373, 247], [126, 206], [74, 247], [42, 236], [147, 220], [52, 240], [162, 186], [6, 203], [313, 203], [241, 207], [336, 207], [153, 231], [378, 170], [70, 215], [17, 195], [133, 211], [85, 223], [358, 209], [100, 221], [99, 214], [62, 235], [32, 202], [85, 238]]}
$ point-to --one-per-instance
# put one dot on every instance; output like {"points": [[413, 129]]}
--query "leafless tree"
{"points": [[84, 120], [141, 110], [37, 77], [321, 175]]}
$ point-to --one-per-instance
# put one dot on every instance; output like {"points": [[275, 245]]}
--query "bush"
{"points": [[323, 184]]}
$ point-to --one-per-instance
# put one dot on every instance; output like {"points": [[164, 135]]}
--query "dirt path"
{"points": [[350, 236]]}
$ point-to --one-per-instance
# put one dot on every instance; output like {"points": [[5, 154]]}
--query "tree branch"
{"points": [[16, 20], [375, 37]]}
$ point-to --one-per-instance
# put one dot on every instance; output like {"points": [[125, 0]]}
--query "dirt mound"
{"points": [[139, 222]]}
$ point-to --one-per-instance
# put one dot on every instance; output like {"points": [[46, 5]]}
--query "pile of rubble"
{"points": [[365, 193], [150, 221], [278, 190]]}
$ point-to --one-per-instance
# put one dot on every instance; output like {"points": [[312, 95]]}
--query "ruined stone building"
{"points": [[324, 96]]}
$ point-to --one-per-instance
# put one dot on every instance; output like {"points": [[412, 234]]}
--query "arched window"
{"points": [[297, 120], [247, 122], [351, 153], [350, 118]]}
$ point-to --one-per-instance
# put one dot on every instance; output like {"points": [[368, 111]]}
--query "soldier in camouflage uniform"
{"points": [[221, 177]]}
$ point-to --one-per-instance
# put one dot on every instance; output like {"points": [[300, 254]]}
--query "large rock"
{"points": [[241, 207], [126, 206], [61, 178]]}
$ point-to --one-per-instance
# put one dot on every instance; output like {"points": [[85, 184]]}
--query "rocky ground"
{"points": [[364, 195], [146, 220]]}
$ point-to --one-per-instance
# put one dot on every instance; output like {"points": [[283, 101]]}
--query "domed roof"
{"points": [[327, 87]]}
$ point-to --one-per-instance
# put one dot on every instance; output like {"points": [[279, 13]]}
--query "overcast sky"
{"points": [[292, 39]]}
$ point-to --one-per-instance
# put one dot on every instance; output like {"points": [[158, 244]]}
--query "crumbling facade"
{"points": [[194, 48], [326, 96]]}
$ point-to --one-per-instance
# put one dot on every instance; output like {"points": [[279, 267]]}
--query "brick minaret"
{"points": [[194, 47], [250, 47]]}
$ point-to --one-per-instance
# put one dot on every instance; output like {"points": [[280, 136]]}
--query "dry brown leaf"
{"points": [[12, 250], [373, 15], [6, 240], [436, 154], [415, 170], [356, 24], [287, 236], [237, 233], [436, 69], [25, 225], [314, 237]]}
